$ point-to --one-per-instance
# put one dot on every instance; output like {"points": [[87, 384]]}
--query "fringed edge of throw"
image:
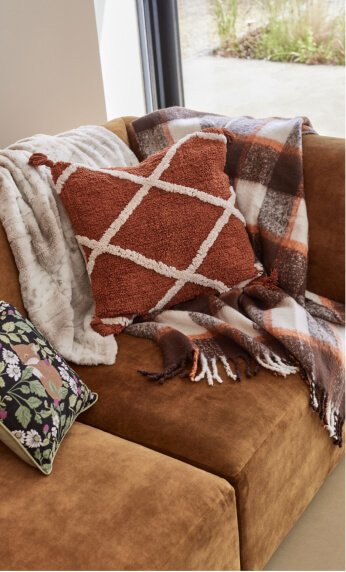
{"points": [[209, 366], [329, 414], [205, 356], [168, 373]]}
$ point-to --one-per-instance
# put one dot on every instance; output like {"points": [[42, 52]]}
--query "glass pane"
{"points": [[118, 36], [265, 57]]}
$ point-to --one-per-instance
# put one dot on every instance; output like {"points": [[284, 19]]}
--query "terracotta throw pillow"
{"points": [[159, 233]]}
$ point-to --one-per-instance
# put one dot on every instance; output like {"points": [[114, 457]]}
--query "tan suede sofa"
{"points": [[176, 476]]}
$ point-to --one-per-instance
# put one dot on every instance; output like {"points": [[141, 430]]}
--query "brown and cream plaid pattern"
{"points": [[271, 322]]}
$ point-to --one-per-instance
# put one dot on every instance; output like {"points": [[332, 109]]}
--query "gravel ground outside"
{"points": [[260, 88]]}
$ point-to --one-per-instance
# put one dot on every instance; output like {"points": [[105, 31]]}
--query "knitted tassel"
{"points": [[39, 159]]}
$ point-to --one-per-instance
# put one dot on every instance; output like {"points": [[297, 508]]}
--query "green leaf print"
{"points": [[27, 373], [24, 326], [46, 467], [37, 388], [45, 413], [63, 391], [23, 415], [14, 338], [24, 389], [34, 402]]}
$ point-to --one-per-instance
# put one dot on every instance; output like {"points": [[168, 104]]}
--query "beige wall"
{"points": [[50, 67]]}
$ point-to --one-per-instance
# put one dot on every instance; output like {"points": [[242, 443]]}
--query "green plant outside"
{"points": [[301, 31], [226, 14]]}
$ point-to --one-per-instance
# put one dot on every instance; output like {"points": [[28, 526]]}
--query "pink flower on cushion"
{"points": [[3, 414], [45, 428]]}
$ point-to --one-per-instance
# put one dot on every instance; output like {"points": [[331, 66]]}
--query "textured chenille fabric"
{"points": [[159, 233]]}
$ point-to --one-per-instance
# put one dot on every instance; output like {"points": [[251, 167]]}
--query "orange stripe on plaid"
{"points": [[272, 143], [252, 228], [242, 159], [274, 238], [310, 340], [325, 302], [287, 242], [293, 216], [204, 336], [167, 133]]}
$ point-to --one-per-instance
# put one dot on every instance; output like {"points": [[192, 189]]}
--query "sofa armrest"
{"points": [[324, 179], [118, 127]]}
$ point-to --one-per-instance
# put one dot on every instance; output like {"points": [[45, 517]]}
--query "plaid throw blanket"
{"points": [[271, 322]]}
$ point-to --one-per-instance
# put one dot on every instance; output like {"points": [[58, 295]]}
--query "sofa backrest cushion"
{"points": [[324, 178]]}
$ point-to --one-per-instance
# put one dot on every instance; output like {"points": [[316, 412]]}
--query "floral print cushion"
{"points": [[40, 395]]}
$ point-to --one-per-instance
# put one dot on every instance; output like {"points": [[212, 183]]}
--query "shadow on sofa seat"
{"points": [[113, 505], [259, 434]]}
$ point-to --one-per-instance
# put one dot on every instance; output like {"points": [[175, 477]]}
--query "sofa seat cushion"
{"points": [[259, 434], [114, 505]]}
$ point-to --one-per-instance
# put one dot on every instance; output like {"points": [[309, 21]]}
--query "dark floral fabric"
{"points": [[40, 395]]}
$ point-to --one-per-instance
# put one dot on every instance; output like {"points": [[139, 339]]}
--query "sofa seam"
{"points": [[235, 476], [196, 464], [234, 481], [164, 452]]}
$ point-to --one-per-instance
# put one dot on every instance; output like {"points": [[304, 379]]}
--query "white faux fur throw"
{"points": [[54, 282]]}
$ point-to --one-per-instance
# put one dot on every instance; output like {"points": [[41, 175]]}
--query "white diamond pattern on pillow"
{"points": [[160, 183]]}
